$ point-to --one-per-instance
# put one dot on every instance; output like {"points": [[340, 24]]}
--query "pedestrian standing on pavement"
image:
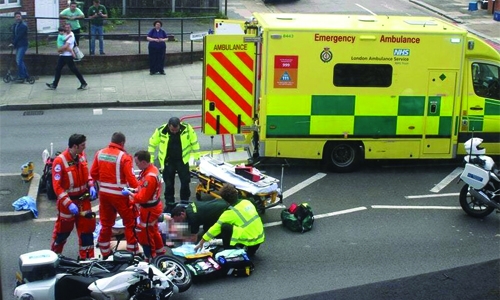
{"points": [[113, 170], [97, 13], [20, 43], [71, 181], [66, 58], [199, 213], [72, 14], [176, 142], [147, 199], [157, 47]]}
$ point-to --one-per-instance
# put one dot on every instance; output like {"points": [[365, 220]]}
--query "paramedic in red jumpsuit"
{"points": [[112, 168], [147, 199], [71, 180]]}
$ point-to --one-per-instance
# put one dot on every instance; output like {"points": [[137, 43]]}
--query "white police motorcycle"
{"points": [[48, 276], [480, 195]]}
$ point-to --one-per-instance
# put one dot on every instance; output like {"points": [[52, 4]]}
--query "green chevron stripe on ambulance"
{"points": [[359, 116]]}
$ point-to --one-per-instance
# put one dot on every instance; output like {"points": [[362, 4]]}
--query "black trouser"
{"points": [[156, 59], [169, 171], [67, 60], [77, 36], [227, 233]]}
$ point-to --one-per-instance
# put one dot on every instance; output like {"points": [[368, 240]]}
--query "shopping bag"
{"points": [[78, 53]]}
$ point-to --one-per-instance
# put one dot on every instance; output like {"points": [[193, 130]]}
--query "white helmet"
{"points": [[473, 146]]}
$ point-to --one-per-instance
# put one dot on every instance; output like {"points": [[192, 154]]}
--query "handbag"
{"points": [[79, 54]]}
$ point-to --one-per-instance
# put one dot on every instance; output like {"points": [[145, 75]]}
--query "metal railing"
{"points": [[130, 29]]}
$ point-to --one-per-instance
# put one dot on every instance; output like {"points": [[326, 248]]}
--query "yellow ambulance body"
{"points": [[343, 88]]}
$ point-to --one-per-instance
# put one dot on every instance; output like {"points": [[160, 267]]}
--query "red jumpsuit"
{"points": [[113, 170], [71, 180], [150, 207]]}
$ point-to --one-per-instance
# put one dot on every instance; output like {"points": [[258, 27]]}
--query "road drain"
{"points": [[33, 113]]}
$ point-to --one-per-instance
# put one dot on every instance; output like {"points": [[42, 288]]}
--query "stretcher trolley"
{"points": [[259, 188]]}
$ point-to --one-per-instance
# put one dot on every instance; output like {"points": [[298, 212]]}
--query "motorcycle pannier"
{"points": [[475, 176], [38, 265]]}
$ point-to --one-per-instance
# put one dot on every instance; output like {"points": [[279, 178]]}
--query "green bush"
{"points": [[5, 31]]}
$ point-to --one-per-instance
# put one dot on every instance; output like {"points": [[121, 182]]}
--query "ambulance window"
{"points": [[486, 80], [362, 75]]}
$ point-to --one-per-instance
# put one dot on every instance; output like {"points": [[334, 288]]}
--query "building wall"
{"points": [[28, 10]]}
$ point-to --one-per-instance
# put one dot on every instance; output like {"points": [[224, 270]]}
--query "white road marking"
{"points": [[331, 214], [97, 111], [433, 196], [303, 184], [454, 174], [153, 109], [413, 207], [362, 7]]}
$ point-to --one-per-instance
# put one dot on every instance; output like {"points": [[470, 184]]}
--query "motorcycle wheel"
{"points": [[6, 78], [182, 277], [471, 206]]}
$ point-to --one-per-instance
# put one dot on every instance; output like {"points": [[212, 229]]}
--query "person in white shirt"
{"points": [[66, 58]]}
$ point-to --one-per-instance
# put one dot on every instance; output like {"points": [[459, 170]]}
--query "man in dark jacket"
{"points": [[20, 43], [199, 213]]}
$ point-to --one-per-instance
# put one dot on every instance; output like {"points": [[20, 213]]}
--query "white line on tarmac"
{"points": [[303, 184], [331, 214], [153, 109], [433, 196], [413, 207], [362, 7], [447, 180]]}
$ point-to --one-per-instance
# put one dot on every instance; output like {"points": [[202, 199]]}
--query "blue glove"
{"points": [[93, 193], [126, 192], [73, 208]]}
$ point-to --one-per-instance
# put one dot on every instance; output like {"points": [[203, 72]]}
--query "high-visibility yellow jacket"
{"points": [[247, 225], [189, 143]]}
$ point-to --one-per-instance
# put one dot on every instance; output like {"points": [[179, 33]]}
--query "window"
{"points": [[9, 3], [486, 80], [362, 75]]}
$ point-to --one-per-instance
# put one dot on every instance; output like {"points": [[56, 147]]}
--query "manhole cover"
{"points": [[5, 192], [33, 113]]}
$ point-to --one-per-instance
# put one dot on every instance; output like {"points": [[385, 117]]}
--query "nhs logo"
{"points": [[401, 52]]}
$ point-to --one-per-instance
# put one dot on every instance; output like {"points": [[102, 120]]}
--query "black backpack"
{"points": [[46, 179], [298, 218]]}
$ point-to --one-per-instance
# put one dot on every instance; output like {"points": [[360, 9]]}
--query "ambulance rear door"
{"points": [[228, 84]]}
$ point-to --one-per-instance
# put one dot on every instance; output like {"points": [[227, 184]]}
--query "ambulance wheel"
{"points": [[6, 78], [343, 156], [258, 202], [181, 275], [31, 79]]}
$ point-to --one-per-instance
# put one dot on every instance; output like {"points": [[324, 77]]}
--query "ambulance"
{"points": [[345, 88]]}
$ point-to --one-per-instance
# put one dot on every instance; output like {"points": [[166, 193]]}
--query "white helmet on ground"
{"points": [[473, 146]]}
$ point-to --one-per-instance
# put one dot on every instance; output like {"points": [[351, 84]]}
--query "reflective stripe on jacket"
{"points": [[189, 143], [113, 169], [247, 225], [70, 178], [149, 189]]}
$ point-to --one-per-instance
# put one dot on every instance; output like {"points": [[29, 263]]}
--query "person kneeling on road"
{"points": [[199, 213], [239, 226], [147, 199]]}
